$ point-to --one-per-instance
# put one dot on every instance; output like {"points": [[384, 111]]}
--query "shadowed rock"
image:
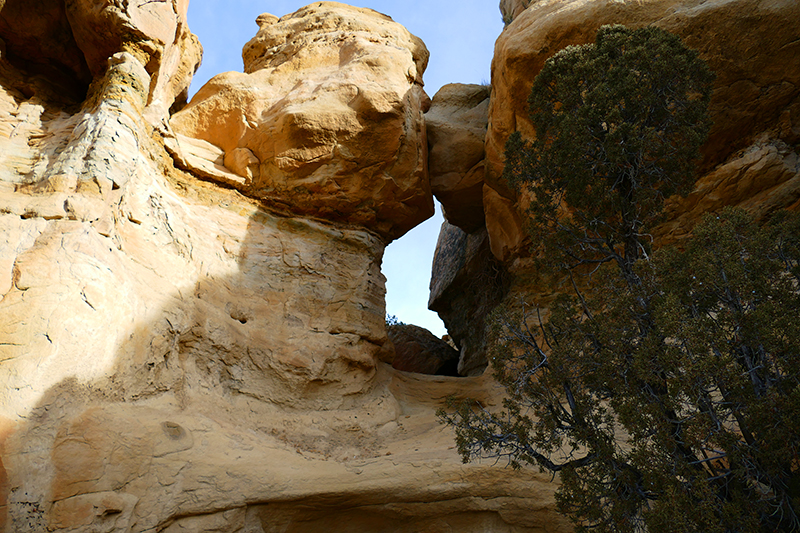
{"points": [[419, 350]]}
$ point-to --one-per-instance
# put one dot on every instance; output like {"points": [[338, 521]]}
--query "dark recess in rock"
{"points": [[419, 350], [467, 282]]}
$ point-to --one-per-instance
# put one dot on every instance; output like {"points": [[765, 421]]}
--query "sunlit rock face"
{"points": [[750, 160], [754, 48], [326, 121], [115, 270], [456, 125], [511, 9], [179, 352]]}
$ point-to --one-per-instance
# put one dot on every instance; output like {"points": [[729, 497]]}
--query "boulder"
{"points": [[418, 350], [511, 9], [456, 126], [467, 282], [753, 46], [329, 114]]}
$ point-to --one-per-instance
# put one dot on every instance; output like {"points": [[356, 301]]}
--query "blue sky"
{"points": [[460, 35]]}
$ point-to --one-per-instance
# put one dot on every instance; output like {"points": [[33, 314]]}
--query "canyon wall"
{"points": [[751, 158], [192, 332], [191, 304]]}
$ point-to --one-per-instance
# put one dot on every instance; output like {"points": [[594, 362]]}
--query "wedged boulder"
{"points": [[327, 120], [511, 9], [753, 46], [418, 350], [456, 125], [467, 282]]}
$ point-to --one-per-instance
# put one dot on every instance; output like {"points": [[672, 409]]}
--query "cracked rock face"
{"points": [[327, 120], [754, 48]]}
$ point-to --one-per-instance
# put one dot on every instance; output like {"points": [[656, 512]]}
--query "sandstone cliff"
{"points": [[751, 159], [191, 310]]}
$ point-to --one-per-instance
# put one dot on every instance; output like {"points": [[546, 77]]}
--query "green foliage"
{"points": [[392, 320], [619, 124], [666, 392], [668, 405]]}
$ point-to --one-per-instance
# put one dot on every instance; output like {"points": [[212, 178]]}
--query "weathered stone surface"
{"points": [[511, 9], [175, 357], [102, 27], [331, 107], [156, 32], [43, 43], [753, 46], [227, 274], [467, 282], [504, 224], [456, 125], [221, 464], [70, 41], [419, 350]]}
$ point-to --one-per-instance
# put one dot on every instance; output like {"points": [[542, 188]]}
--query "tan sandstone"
{"points": [[754, 48], [175, 356], [456, 126], [328, 117], [511, 9]]}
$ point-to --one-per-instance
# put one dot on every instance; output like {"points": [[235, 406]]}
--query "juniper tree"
{"points": [[619, 124], [691, 425], [666, 394]]}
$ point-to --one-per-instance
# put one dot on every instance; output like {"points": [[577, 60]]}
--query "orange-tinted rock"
{"points": [[331, 106], [456, 125], [511, 9], [504, 224], [754, 48]]}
